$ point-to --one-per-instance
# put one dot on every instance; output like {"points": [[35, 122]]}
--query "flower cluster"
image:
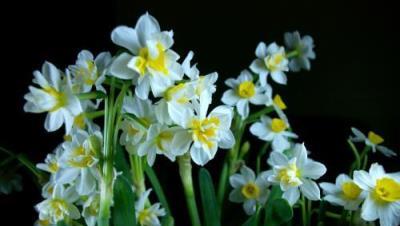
{"points": [[153, 104]]}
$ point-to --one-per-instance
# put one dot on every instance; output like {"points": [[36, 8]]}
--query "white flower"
{"points": [[383, 195], [158, 141], [373, 140], [343, 193], [90, 209], [89, 71], [297, 172], [271, 60], [44, 222], [273, 130], [153, 64], [60, 206], [203, 134], [148, 216], [248, 189], [304, 50], [55, 97], [243, 91], [51, 164], [78, 162]]}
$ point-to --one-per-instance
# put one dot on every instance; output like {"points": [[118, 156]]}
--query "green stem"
{"points": [[293, 53], [137, 174], [222, 184], [255, 116], [304, 216], [357, 163], [91, 95], [94, 114], [260, 154], [185, 172], [332, 215]]}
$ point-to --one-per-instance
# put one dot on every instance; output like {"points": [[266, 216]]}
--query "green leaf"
{"points": [[208, 199], [277, 210], [121, 164], [158, 190], [251, 221], [10, 182], [124, 203]]}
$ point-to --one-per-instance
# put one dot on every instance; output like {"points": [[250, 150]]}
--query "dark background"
{"points": [[353, 82]]}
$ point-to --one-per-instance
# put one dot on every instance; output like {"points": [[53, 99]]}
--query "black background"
{"points": [[353, 82]]}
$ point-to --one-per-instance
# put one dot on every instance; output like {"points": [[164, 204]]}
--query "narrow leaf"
{"points": [[124, 203], [157, 188], [208, 199]]}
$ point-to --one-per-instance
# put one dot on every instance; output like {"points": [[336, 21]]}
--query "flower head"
{"points": [[303, 47], [244, 90], [296, 172], [249, 189], [54, 96], [344, 192], [373, 140], [383, 195], [270, 60], [148, 216]]}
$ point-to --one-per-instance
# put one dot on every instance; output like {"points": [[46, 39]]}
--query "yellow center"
{"points": [[157, 64], [58, 206], [144, 216], [279, 102], [289, 175], [350, 190], [375, 138], [246, 89], [163, 138], [79, 121], [80, 159], [273, 62], [172, 91], [44, 222], [250, 191], [205, 130], [386, 190], [278, 125], [53, 166], [60, 98]]}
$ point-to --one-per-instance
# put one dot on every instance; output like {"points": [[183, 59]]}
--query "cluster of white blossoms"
{"points": [[153, 104]]}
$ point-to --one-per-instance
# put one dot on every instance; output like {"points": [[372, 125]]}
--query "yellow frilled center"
{"points": [[250, 191], [375, 138], [60, 98], [279, 102], [387, 190], [53, 166], [144, 216], [163, 138], [172, 91], [145, 60], [80, 159], [278, 125], [350, 190], [58, 207], [246, 89], [79, 121], [273, 62], [290, 175], [205, 130]]}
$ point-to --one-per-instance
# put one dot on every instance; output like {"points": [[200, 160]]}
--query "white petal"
{"points": [[376, 171], [369, 210], [363, 180], [126, 37], [236, 196], [237, 180], [146, 26], [230, 98], [119, 67], [243, 108], [199, 156], [329, 188], [313, 170], [247, 173], [143, 88], [279, 77], [226, 139], [261, 50], [54, 120], [310, 190], [249, 206], [181, 142], [291, 195], [277, 159], [334, 200], [67, 175]]}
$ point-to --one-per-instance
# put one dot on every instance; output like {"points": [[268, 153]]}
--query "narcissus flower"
{"points": [[249, 189], [270, 60], [148, 215], [373, 140], [51, 164], [383, 195], [203, 134], [78, 161], [344, 193], [89, 71], [153, 64], [273, 130], [244, 90], [296, 172], [54, 96], [303, 47], [90, 209], [60, 206]]}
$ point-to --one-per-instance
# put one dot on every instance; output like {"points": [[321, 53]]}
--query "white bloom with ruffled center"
{"points": [[203, 133], [148, 216], [296, 173], [54, 96], [51, 164], [273, 130], [303, 47], [383, 195], [344, 193], [153, 64], [59, 206], [373, 140], [78, 162], [91, 208], [270, 60], [244, 91], [89, 71], [249, 189]]}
